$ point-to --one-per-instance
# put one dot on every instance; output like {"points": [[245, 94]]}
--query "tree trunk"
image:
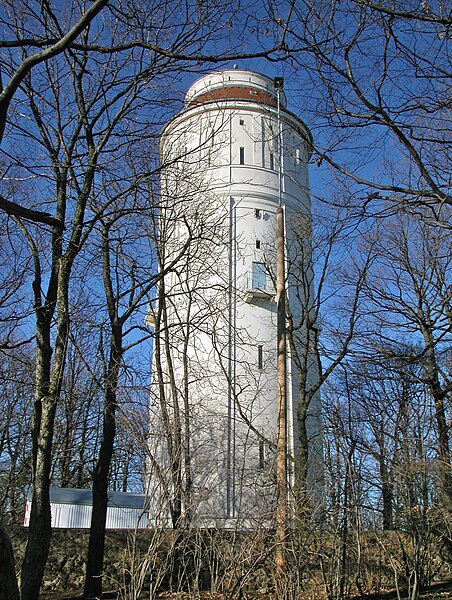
{"points": [[387, 498], [46, 397], [301, 467], [39, 534], [444, 451], [439, 396], [387, 491], [96, 545], [8, 581], [281, 451]]}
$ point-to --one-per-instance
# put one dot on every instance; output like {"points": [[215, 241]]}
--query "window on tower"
{"points": [[258, 213], [242, 155], [259, 276], [260, 357], [242, 121], [258, 244]]}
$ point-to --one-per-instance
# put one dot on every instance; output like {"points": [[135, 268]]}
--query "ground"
{"points": [[441, 591]]}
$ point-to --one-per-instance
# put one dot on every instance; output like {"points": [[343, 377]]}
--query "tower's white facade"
{"points": [[229, 159]]}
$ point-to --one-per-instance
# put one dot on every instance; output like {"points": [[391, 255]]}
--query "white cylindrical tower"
{"points": [[230, 158]]}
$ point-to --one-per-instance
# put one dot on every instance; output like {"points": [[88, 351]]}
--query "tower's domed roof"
{"points": [[234, 84]]}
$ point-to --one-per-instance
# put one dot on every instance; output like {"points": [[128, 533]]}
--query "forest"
{"points": [[85, 90]]}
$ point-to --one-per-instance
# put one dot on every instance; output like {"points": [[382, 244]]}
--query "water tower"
{"points": [[230, 158]]}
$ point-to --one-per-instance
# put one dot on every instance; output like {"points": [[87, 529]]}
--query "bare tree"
{"points": [[73, 136], [15, 391], [409, 288], [78, 415], [16, 387], [52, 43], [321, 323], [127, 285], [378, 96]]}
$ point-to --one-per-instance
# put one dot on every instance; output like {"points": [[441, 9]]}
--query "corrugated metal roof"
{"points": [[85, 498]]}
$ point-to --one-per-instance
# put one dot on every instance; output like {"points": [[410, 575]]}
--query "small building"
{"points": [[71, 509]]}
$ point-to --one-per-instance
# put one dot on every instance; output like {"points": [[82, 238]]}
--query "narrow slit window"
{"points": [[258, 213], [258, 244], [272, 161], [260, 357], [261, 454], [242, 155], [242, 121]]}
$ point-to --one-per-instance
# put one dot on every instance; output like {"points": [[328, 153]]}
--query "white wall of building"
{"points": [[222, 185], [71, 508]]}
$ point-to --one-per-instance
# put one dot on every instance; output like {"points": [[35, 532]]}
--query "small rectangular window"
{"points": [[258, 213], [261, 454], [272, 161], [242, 155], [297, 156], [260, 357], [242, 121], [258, 244]]}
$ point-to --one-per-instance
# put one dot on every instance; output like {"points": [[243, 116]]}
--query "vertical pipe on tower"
{"points": [[281, 448]]}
